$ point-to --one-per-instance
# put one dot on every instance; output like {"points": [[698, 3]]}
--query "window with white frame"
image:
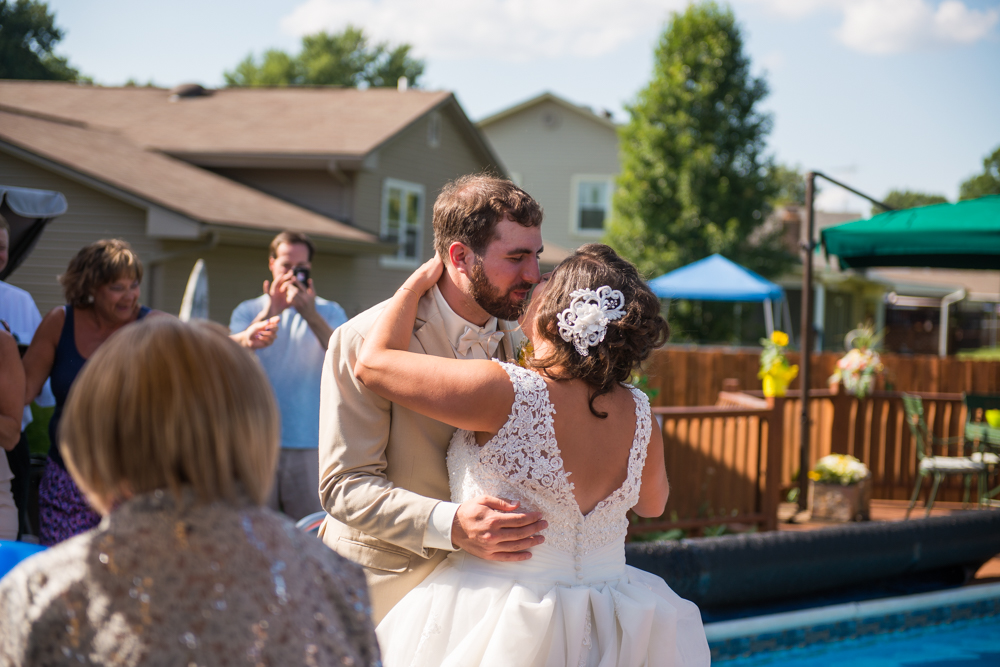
{"points": [[403, 221], [591, 209]]}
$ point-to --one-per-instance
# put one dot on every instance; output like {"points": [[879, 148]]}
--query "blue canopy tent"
{"points": [[716, 278]]}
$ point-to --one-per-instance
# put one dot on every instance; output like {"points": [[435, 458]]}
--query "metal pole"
{"points": [[805, 346], [768, 317]]}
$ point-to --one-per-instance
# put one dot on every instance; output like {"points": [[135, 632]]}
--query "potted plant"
{"points": [[858, 369], [840, 489], [775, 372]]}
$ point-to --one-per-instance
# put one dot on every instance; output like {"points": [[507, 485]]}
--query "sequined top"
{"points": [[163, 581]]}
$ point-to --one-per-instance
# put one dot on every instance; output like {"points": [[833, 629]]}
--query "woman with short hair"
{"points": [[172, 433], [101, 288]]}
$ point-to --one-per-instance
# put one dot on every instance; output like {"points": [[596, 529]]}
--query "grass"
{"points": [[38, 430], [982, 354]]}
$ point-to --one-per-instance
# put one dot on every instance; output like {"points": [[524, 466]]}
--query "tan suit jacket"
{"points": [[382, 466]]}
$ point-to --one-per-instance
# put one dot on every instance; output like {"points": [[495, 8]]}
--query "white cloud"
{"points": [[512, 30], [897, 26]]}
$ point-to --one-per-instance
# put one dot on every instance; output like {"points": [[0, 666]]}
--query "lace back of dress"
{"points": [[523, 462]]}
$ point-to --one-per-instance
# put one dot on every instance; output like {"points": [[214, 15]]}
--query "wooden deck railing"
{"points": [[873, 430], [725, 464], [722, 460]]}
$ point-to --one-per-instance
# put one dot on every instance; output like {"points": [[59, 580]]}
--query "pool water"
{"points": [[970, 643]]}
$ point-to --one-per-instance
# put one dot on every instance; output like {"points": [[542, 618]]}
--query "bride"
{"points": [[566, 437]]}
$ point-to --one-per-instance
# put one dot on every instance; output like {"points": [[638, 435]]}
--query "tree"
{"points": [[899, 199], [790, 186], [342, 59], [28, 35], [694, 177], [986, 183]]}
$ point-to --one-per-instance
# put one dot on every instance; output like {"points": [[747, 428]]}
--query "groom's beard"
{"points": [[489, 297]]}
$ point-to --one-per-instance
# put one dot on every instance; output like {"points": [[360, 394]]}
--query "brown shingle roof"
{"points": [[321, 122], [165, 181]]}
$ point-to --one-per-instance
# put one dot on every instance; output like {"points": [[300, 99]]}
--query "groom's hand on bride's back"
{"points": [[493, 529]]}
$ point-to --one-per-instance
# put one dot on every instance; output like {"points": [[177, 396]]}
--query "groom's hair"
{"points": [[469, 209]]}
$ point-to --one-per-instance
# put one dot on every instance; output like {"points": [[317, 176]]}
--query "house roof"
{"points": [[295, 122], [198, 194], [586, 112], [980, 285]]}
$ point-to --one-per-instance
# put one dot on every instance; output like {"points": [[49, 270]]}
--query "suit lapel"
{"points": [[512, 339], [429, 330]]}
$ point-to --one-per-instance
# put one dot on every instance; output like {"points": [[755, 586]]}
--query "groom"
{"points": [[383, 478]]}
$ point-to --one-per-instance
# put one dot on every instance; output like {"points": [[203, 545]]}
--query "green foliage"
{"points": [[790, 185], [640, 381], [342, 59], [986, 183], [37, 432], [28, 35], [982, 354], [694, 177], [899, 199]]}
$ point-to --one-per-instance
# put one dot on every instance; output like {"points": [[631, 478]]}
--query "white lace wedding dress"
{"points": [[575, 601]]}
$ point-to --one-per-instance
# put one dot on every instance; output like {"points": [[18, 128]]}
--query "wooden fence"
{"points": [[726, 464], [689, 375]]}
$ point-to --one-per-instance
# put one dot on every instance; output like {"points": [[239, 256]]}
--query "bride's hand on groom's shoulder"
{"points": [[426, 276], [493, 529]]}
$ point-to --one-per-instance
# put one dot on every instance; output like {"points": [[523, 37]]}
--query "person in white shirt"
{"points": [[293, 362], [18, 310]]}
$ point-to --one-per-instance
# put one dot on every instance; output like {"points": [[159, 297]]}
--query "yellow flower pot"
{"points": [[777, 378], [775, 386]]}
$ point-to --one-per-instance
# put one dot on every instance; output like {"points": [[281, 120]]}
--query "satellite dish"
{"points": [[194, 306]]}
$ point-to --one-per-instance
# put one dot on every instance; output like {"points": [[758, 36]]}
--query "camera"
{"points": [[302, 275]]}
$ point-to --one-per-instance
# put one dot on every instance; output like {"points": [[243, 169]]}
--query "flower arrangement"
{"points": [[523, 353], [858, 368], [774, 368], [839, 469]]}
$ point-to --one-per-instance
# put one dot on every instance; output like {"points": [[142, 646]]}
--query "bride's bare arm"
{"points": [[474, 395], [654, 489]]}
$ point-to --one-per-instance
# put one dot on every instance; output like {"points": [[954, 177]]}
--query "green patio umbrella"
{"points": [[965, 235]]}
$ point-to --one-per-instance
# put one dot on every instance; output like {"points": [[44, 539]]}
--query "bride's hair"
{"points": [[629, 340]]}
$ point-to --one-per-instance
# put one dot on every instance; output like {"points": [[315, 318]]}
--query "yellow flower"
{"points": [[779, 338], [524, 352], [814, 476]]}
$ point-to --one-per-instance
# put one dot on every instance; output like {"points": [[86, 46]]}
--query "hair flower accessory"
{"points": [[585, 322]]}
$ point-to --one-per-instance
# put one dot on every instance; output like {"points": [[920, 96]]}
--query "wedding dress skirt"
{"points": [[575, 601], [550, 610]]}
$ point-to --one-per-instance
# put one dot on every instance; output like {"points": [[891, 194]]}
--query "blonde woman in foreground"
{"points": [[563, 436], [171, 432]]}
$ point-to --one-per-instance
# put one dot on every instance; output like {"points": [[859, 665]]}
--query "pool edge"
{"points": [[850, 611]]}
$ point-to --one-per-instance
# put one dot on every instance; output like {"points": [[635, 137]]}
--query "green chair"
{"points": [[985, 440], [938, 467]]}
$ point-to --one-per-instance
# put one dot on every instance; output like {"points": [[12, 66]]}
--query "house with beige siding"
{"points": [[191, 173], [566, 156]]}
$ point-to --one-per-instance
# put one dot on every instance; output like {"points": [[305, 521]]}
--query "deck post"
{"points": [[805, 339], [775, 449]]}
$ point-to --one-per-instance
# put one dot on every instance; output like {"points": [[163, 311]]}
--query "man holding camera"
{"points": [[294, 364]]}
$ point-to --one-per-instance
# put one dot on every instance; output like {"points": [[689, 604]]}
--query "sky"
{"points": [[880, 94]]}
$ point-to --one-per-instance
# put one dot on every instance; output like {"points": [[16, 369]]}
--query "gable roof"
{"points": [[164, 181], [583, 111], [321, 123]]}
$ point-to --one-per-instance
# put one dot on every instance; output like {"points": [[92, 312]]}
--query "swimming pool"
{"points": [[958, 627]]}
